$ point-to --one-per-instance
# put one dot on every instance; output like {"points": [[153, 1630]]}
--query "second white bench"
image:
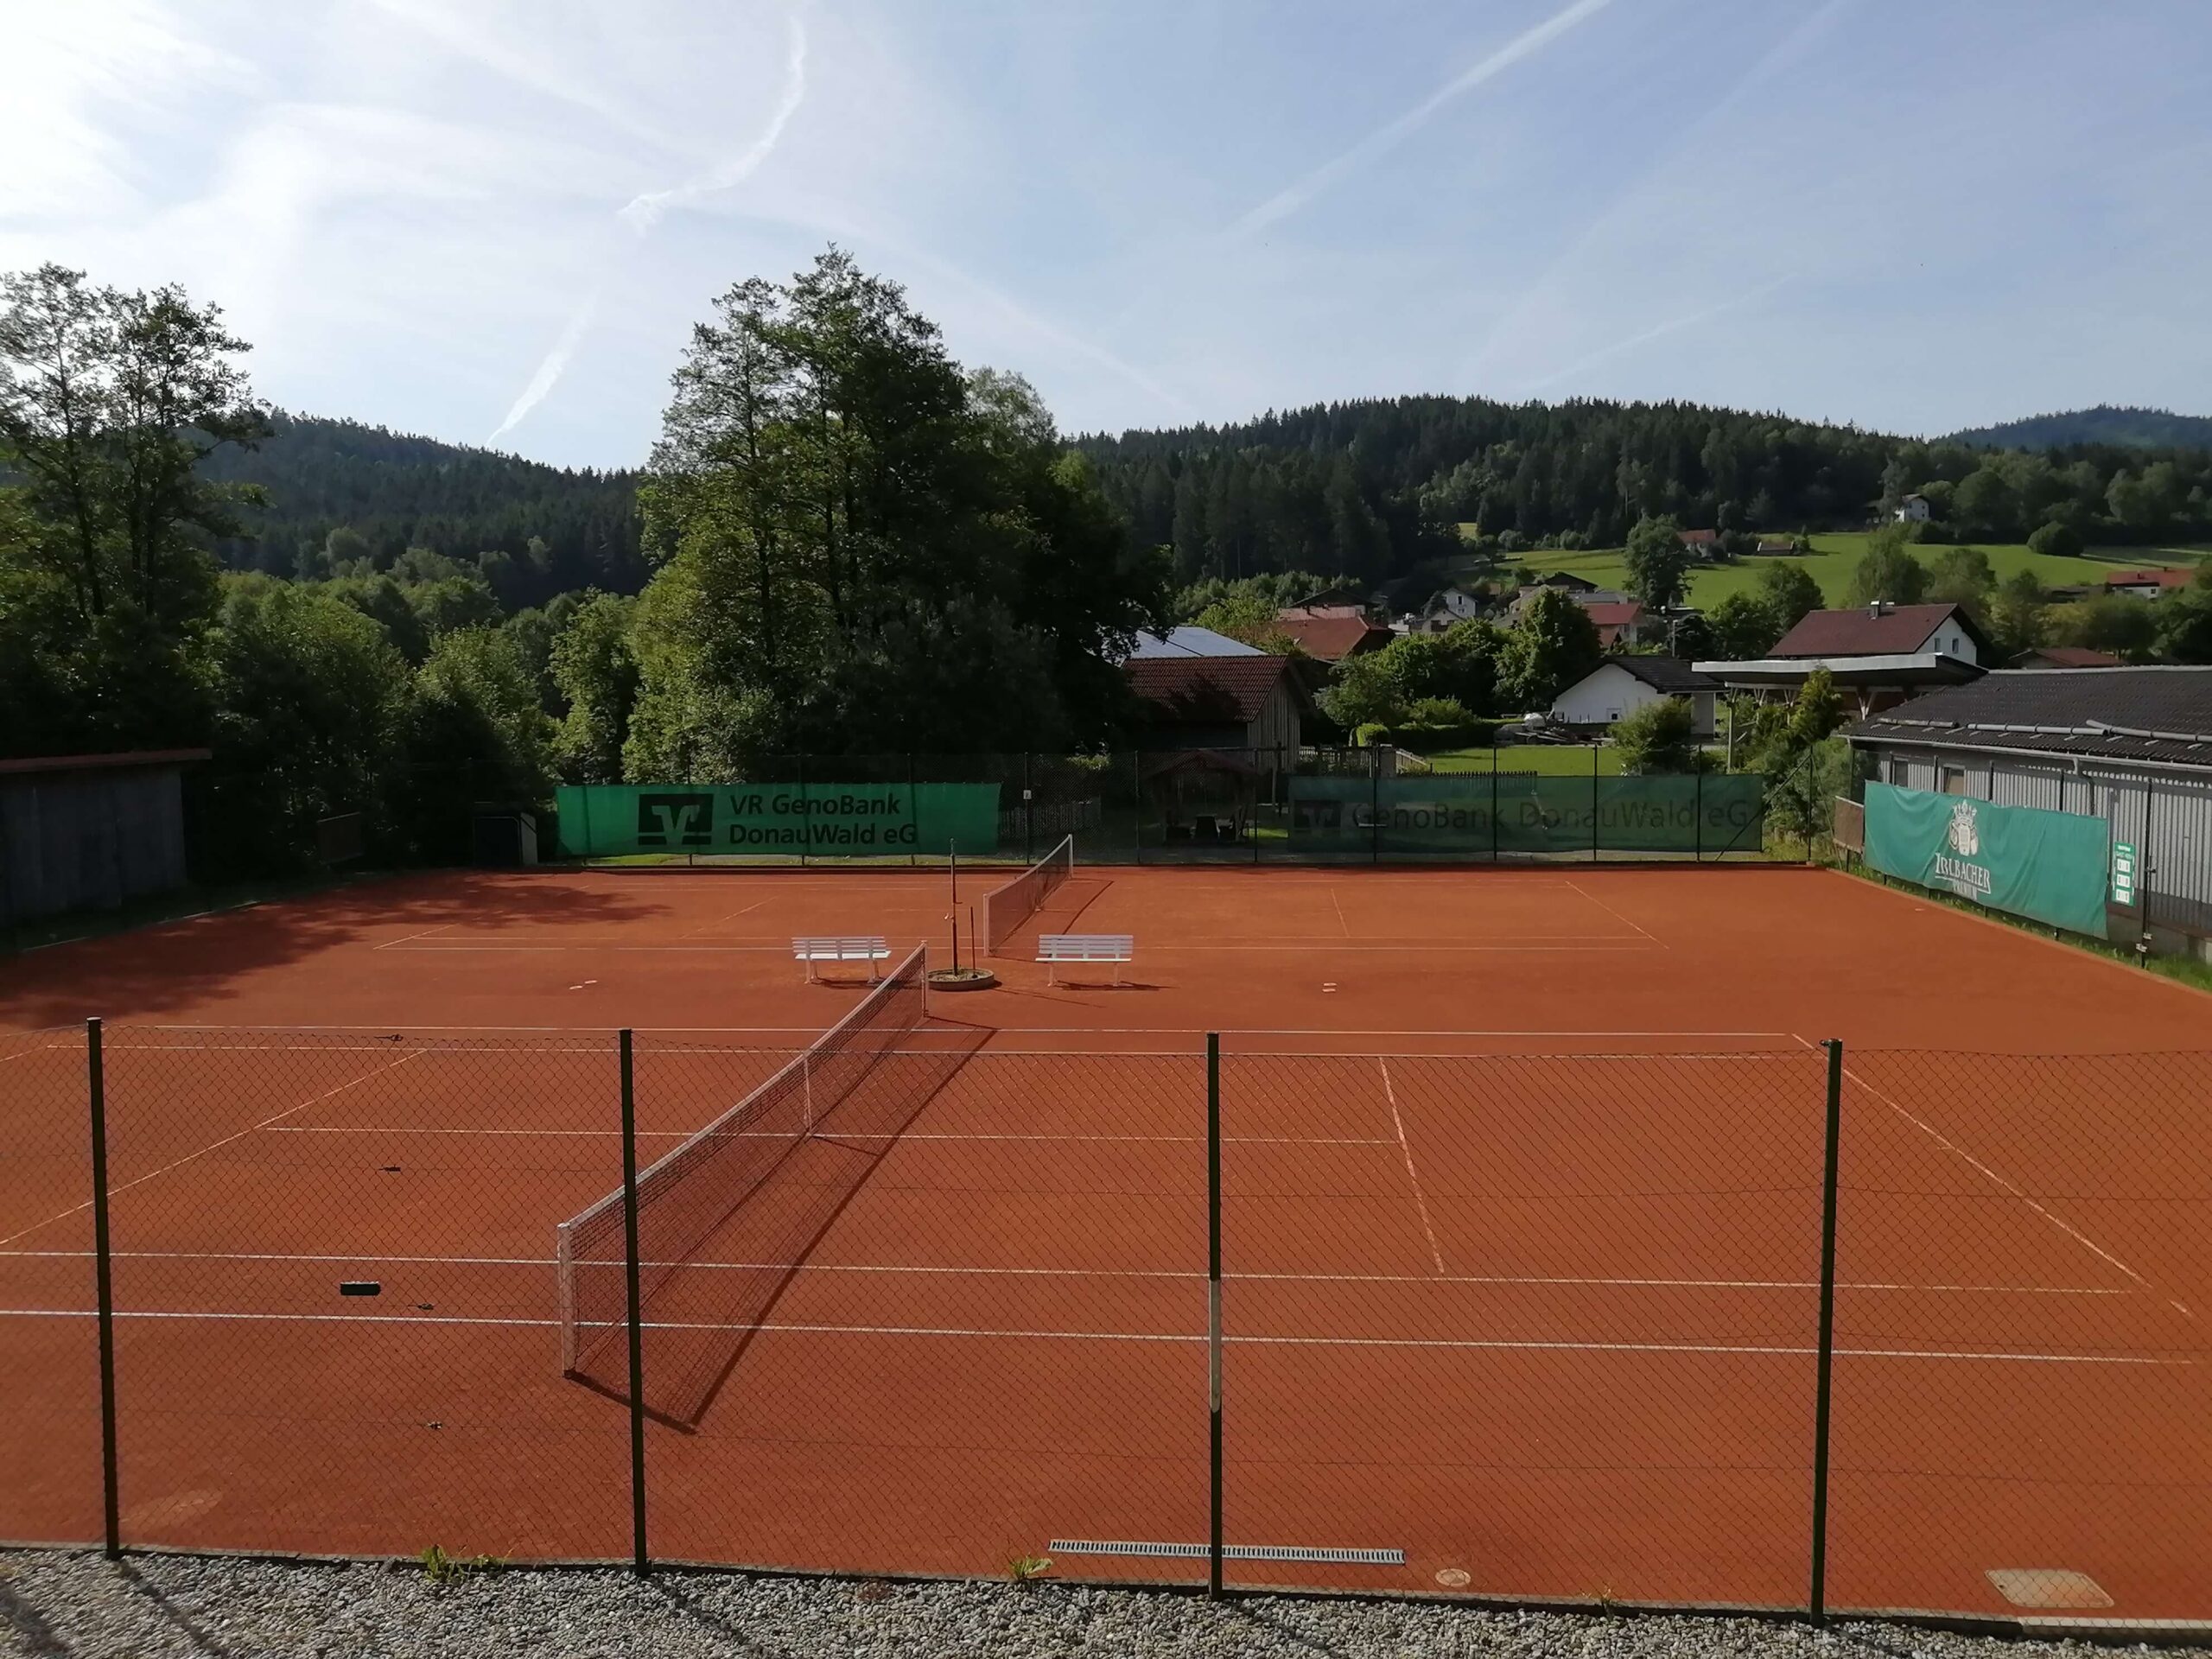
{"points": [[1054, 949], [865, 948]]}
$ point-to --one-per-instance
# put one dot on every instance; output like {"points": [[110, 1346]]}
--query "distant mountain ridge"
{"points": [[397, 491], [2125, 429]]}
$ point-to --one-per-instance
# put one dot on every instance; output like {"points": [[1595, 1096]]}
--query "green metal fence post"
{"points": [[1593, 803], [104, 1288], [1822, 1384], [1373, 803], [1213, 1309], [640, 1560]]}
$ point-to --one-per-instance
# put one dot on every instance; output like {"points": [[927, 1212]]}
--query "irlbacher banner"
{"points": [[2047, 865], [823, 820]]}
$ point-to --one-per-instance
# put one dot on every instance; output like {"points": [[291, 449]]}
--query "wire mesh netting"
{"points": [[1530, 802], [756, 1154], [48, 1353], [1520, 1324], [1008, 909]]}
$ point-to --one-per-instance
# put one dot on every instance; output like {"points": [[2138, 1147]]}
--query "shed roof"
{"points": [[44, 763], [2127, 713]]}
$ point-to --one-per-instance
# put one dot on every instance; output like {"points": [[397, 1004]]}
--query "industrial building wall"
{"points": [[88, 840], [2165, 815]]}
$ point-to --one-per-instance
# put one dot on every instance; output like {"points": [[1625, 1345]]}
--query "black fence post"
{"points": [[1698, 807], [1593, 803], [1028, 812], [1818, 1611], [805, 807], [640, 1560], [1213, 1310], [913, 814], [104, 1282], [1136, 804], [1493, 794]]}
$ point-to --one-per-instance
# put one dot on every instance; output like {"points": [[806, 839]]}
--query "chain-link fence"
{"points": [[1787, 1329], [1512, 803]]}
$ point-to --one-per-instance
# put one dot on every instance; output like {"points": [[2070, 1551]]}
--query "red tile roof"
{"points": [[1700, 537], [1194, 691], [1331, 632], [1897, 631], [1615, 613], [2065, 657], [2167, 577]]}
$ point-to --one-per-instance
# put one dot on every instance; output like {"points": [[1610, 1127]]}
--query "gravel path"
{"points": [[55, 1603]]}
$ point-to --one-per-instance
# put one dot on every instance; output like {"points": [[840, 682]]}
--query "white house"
{"points": [[1447, 610], [1621, 686], [1913, 510]]}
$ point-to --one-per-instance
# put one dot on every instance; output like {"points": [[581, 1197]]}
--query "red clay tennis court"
{"points": [[1523, 1180]]}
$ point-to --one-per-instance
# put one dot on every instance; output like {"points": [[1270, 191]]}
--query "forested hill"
{"points": [[2132, 428], [396, 490], [1373, 489]]}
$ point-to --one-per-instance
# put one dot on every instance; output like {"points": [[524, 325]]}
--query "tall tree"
{"points": [[1888, 571], [1553, 644], [1657, 562], [830, 489], [109, 400]]}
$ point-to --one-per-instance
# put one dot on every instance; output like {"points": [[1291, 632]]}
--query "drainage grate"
{"points": [[1233, 1552]]}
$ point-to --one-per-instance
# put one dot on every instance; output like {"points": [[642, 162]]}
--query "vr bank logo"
{"points": [[676, 820]]}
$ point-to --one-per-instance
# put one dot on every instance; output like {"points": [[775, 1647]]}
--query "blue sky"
{"points": [[473, 218]]}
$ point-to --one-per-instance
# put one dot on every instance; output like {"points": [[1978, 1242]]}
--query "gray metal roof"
{"points": [[2121, 714], [1190, 641]]}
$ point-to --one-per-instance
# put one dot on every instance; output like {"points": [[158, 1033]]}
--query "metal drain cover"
{"points": [[2048, 1586]]}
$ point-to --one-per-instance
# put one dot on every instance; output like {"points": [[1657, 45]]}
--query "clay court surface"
{"points": [[1522, 1176]]}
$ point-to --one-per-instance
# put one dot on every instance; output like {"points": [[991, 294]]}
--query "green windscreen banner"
{"points": [[2050, 866], [820, 819], [1470, 816]]}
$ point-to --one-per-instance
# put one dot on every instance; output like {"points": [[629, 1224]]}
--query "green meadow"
{"points": [[1834, 556]]}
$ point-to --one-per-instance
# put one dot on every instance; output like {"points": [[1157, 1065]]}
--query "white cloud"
{"points": [[76, 73]]}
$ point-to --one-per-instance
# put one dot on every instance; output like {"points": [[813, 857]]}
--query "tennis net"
{"points": [[686, 1197], [1005, 909]]}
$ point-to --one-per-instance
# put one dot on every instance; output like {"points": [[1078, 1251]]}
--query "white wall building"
{"points": [[1620, 685]]}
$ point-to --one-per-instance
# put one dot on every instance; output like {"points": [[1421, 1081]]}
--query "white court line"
{"points": [[1148, 1030], [908, 1134], [1337, 904], [1492, 1344], [212, 1147], [453, 947], [898, 1269], [1411, 1174], [425, 934], [1960, 1152], [693, 932], [1616, 915]]}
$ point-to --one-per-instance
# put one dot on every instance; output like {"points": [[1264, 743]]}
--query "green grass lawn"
{"points": [[1546, 759], [1835, 555]]}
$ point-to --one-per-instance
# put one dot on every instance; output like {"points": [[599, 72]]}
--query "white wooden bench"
{"points": [[1053, 949], [868, 949]]}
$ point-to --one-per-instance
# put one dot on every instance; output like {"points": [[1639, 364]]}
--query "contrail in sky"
{"points": [[1526, 44], [644, 212], [1661, 330]]}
